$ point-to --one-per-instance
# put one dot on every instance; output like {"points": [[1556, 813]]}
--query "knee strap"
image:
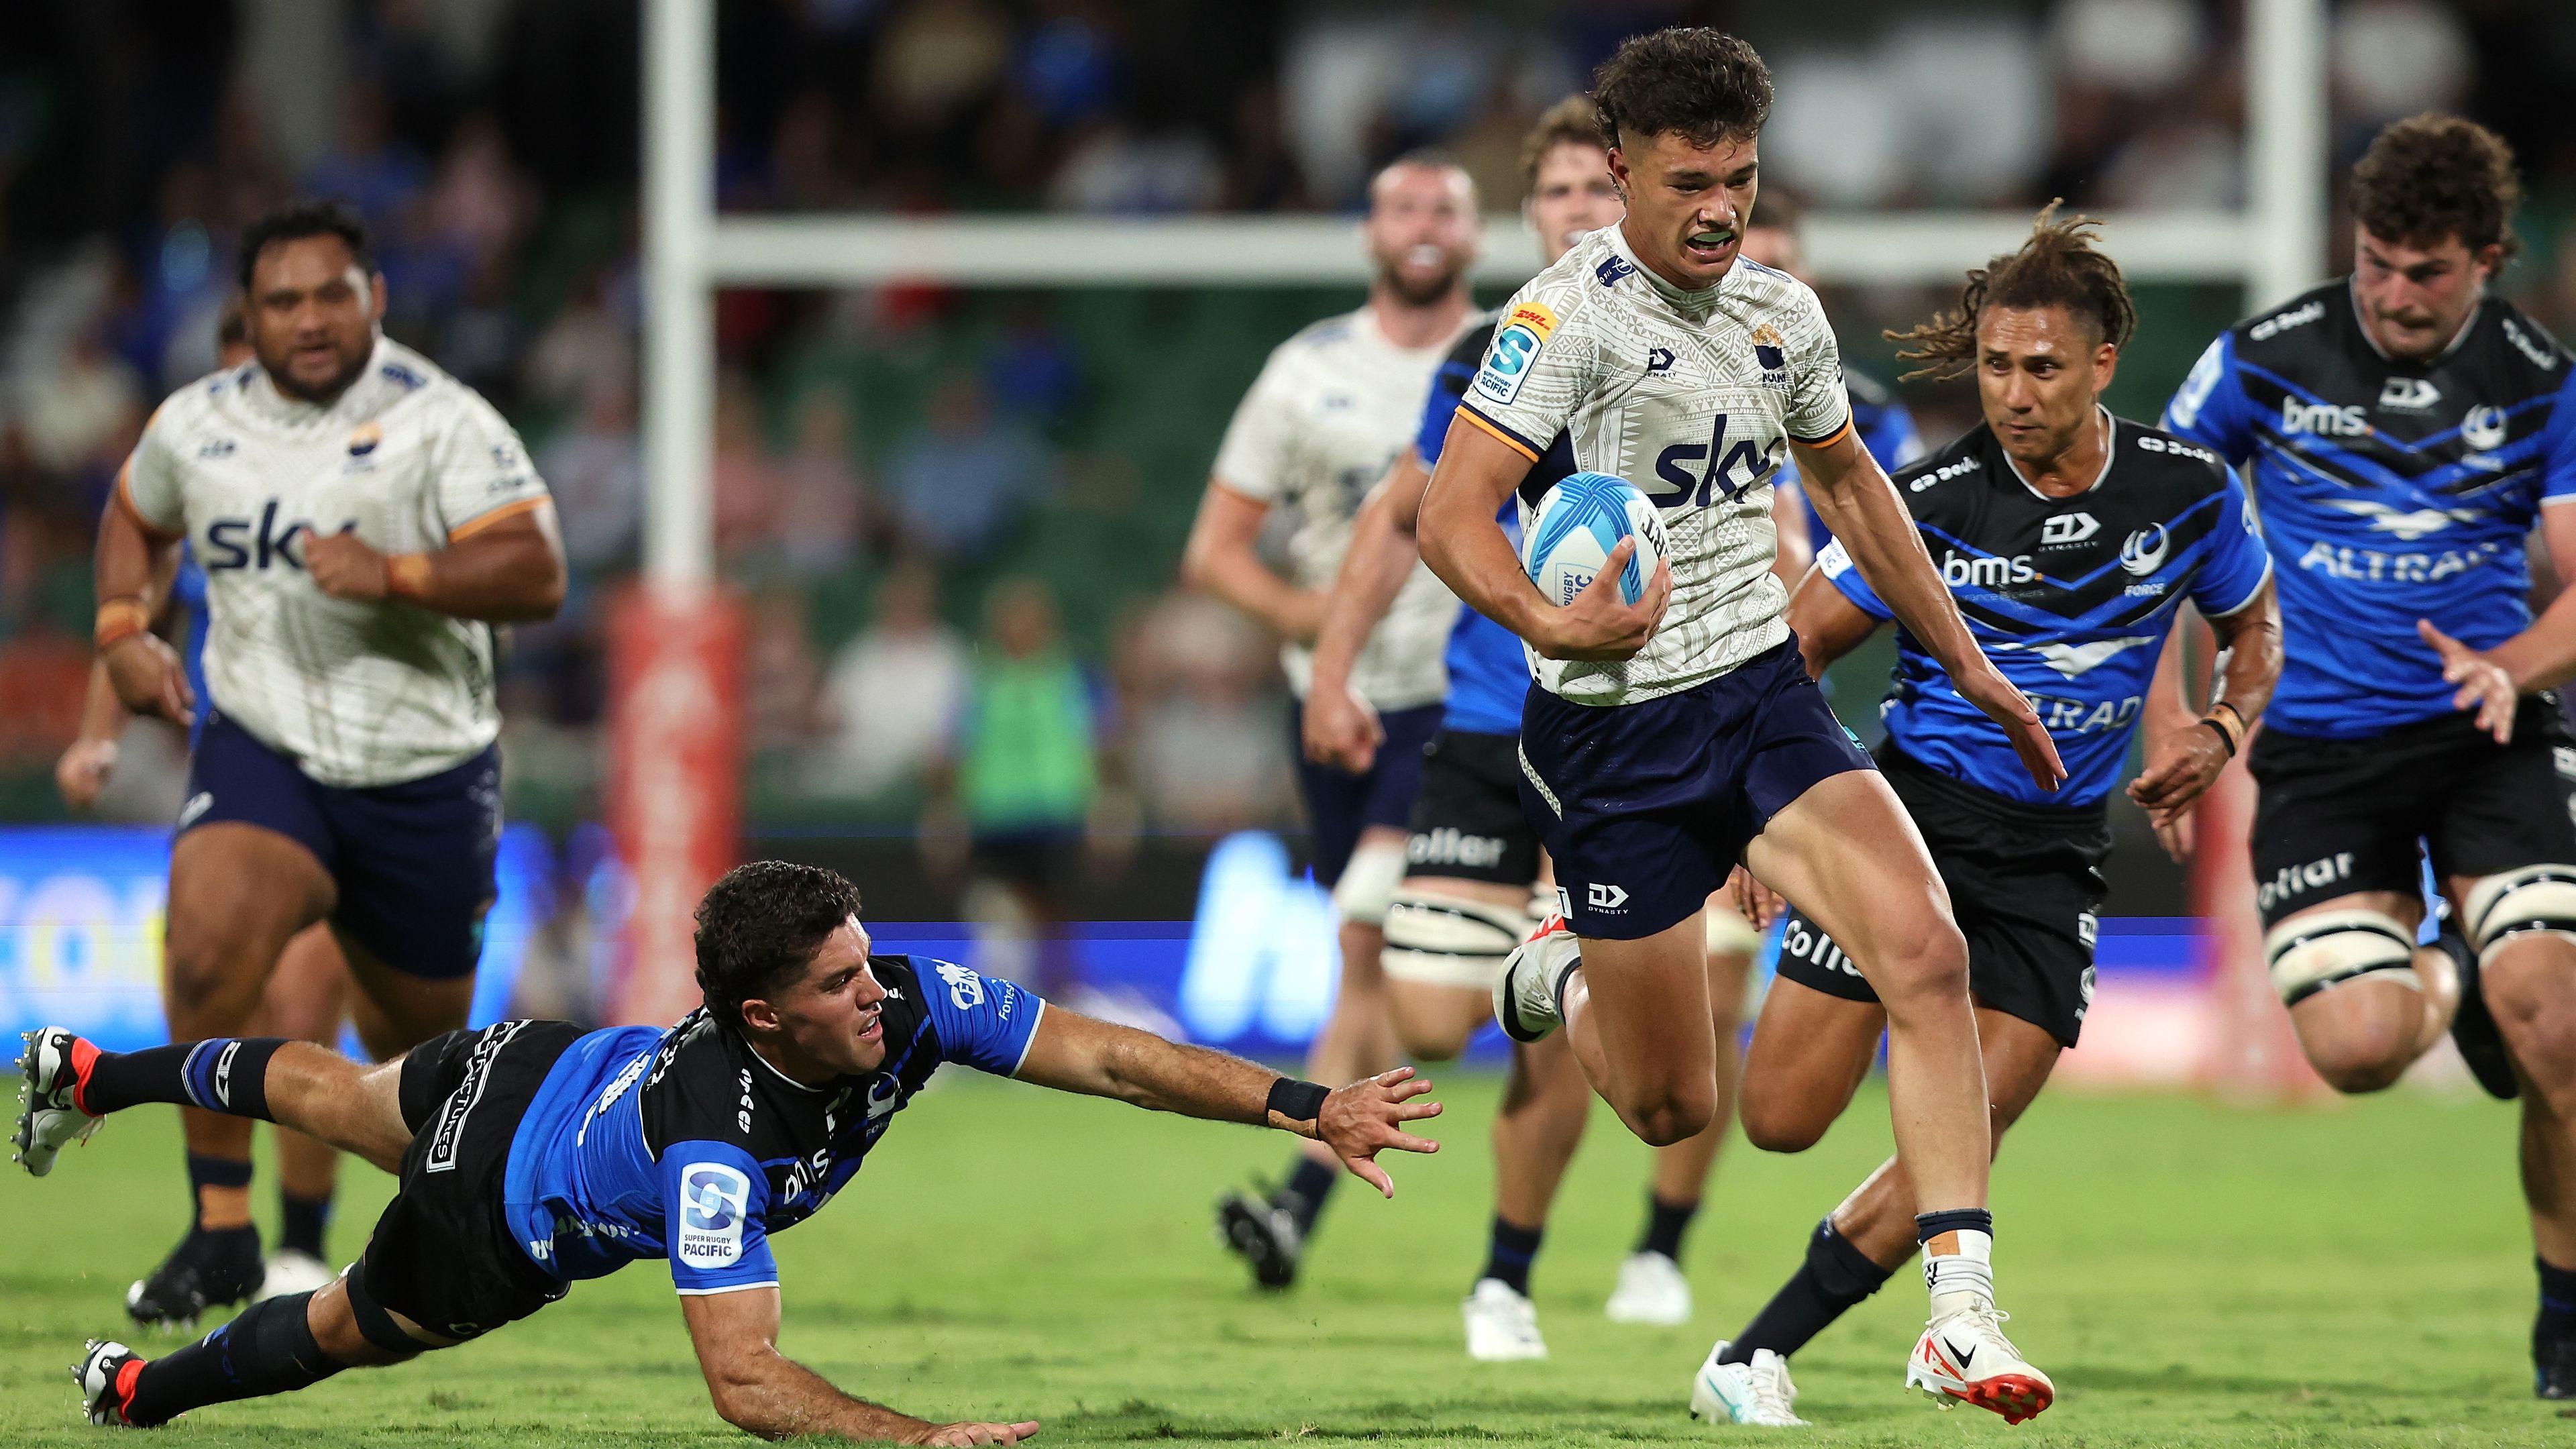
{"points": [[2519, 902], [1444, 940], [2311, 952], [1729, 934], [375, 1322], [1368, 882]]}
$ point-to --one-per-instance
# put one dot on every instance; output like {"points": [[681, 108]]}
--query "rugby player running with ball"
{"points": [[2070, 539], [2408, 431], [1659, 752]]}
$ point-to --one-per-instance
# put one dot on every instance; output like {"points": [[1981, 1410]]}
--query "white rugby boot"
{"points": [[1651, 1290], [1502, 1325], [1525, 991], [106, 1374], [1757, 1394], [49, 1115], [1964, 1358]]}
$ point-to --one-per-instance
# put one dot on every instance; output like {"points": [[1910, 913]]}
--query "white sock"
{"points": [[1959, 1269]]}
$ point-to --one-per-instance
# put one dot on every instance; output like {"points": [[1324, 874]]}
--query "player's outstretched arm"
{"points": [[2543, 656], [1467, 549], [1075, 1053], [511, 571], [1854, 497], [765, 1393], [2185, 758], [1341, 729]]}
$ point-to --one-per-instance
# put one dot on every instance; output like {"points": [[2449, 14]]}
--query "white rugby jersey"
{"points": [[1601, 366], [356, 694], [1330, 412]]}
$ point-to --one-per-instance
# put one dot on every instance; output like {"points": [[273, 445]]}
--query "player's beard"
{"points": [[351, 365], [1418, 290]]}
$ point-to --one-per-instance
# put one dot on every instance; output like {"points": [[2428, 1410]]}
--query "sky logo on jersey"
{"points": [[242, 543], [1516, 346], [713, 1199]]}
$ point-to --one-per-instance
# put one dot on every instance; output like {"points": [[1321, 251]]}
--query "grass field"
{"points": [[2191, 1274]]}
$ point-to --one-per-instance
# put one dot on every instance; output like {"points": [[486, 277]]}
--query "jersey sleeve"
{"points": [[480, 472], [2210, 407], [715, 1203], [2238, 562], [1541, 365], [1818, 408], [2558, 447], [1838, 570], [980, 1021], [1448, 385], [149, 482], [1253, 458]]}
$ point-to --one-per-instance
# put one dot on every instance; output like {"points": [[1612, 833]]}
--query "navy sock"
{"points": [[1509, 1253], [226, 1074], [302, 1221], [267, 1349], [1928, 1226], [204, 1171], [1834, 1279], [1309, 1183], [1665, 1224], [2557, 1318]]}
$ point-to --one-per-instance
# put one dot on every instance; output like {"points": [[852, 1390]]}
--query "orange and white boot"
{"points": [[1964, 1358]]}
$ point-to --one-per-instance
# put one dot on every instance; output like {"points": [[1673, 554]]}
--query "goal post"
{"points": [[2272, 249]]}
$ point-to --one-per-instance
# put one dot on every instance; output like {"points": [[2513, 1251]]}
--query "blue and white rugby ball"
{"points": [[1568, 537]]}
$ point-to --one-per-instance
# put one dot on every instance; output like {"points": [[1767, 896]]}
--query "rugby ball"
{"points": [[1567, 539]]}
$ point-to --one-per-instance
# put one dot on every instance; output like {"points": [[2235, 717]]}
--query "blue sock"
{"points": [[1509, 1253]]}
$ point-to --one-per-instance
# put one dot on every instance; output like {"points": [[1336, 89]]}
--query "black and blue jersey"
{"points": [[1488, 673], [2070, 597], [2389, 492], [684, 1144]]}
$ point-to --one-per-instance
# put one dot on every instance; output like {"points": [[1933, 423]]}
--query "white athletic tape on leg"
{"points": [[1368, 882], [1730, 934], [2311, 952], [1441, 940], [2534, 898]]}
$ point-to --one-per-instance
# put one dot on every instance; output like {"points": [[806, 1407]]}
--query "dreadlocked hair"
{"points": [[2058, 267]]}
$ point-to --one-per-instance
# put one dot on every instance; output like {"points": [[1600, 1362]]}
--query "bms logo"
{"points": [[2323, 419], [2144, 553], [714, 1197], [1986, 571]]}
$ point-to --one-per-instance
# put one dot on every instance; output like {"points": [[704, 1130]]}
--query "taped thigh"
{"points": [[1368, 883], [1729, 934], [2520, 902], [1445, 940], [2311, 952]]}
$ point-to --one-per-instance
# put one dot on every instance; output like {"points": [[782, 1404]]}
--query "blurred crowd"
{"points": [[930, 499]]}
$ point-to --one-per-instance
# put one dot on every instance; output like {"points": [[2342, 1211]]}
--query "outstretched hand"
{"points": [[954, 1436], [1989, 691], [1365, 1118], [2482, 682]]}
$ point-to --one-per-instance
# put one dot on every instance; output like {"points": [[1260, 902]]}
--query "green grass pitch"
{"points": [[2191, 1274]]}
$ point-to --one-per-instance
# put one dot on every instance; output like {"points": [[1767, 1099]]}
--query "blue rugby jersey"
{"points": [[684, 1144], [2390, 492], [2072, 598], [1886, 428], [1488, 673], [188, 592]]}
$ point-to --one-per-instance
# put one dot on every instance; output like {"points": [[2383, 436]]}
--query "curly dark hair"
{"points": [[2058, 267], [2431, 177], [1574, 121], [761, 925], [1704, 85], [297, 220]]}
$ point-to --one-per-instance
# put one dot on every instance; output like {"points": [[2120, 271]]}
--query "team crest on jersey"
{"points": [[364, 439], [2484, 428], [1771, 352]]}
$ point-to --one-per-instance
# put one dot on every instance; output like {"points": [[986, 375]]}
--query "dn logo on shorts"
{"points": [[712, 1199], [1600, 895]]}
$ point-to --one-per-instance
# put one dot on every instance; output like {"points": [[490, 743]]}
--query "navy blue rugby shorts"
{"points": [[1646, 807], [413, 861], [1339, 804]]}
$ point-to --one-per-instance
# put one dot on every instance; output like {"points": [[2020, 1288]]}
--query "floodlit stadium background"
{"points": [[932, 302]]}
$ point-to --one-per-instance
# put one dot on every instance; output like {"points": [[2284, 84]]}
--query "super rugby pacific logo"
{"points": [[1515, 347]]}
